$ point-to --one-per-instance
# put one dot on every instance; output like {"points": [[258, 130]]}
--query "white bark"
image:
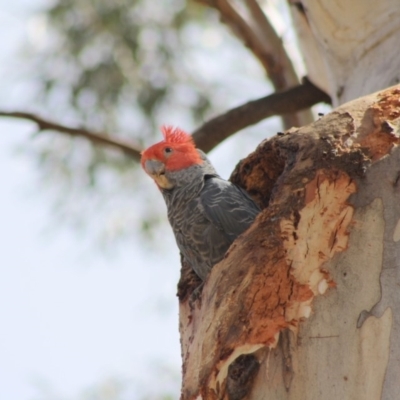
{"points": [[351, 48]]}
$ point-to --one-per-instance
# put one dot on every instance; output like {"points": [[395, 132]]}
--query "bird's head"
{"points": [[175, 153]]}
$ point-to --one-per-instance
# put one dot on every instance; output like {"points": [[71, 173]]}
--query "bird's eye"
{"points": [[168, 150]]}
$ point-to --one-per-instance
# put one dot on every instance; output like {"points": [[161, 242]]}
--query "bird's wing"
{"points": [[228, 207]]}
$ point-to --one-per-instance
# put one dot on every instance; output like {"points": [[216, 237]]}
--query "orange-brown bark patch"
{"points": [[388, 105], [301, 293], [315, 235], [259, 171], [379, 144], [383, 113]]}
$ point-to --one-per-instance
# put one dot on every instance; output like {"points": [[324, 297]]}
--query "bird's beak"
{"points": [[156, 169]]}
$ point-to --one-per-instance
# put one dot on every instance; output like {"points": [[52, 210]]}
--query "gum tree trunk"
{"points": [[306, 303], [349, 46]]}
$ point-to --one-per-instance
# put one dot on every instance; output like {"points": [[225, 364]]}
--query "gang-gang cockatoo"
{"points": [[206, 212]]}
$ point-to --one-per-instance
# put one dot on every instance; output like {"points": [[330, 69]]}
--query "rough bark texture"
{"points": [[306, 303]]}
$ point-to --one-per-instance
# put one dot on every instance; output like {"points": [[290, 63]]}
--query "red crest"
{"points": [[175, 135]]}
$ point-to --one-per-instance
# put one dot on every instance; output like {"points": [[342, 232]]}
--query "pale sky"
{"points": [[70, 317]]}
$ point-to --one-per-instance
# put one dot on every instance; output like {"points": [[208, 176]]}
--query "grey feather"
{"points": [[228, 207], [207, 214]]}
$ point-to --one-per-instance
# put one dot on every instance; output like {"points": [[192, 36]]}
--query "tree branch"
{"points": [[96, 138], [292, 100], [281, 70], [212, 132], [244, 31], [258, 34]]}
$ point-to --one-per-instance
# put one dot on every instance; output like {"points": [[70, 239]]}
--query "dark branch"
{"points": [[213, 132], [257, 33], [96, 138], [292, 100]]}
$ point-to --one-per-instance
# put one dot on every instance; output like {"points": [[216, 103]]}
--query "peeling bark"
{"points": [[305, 304]]}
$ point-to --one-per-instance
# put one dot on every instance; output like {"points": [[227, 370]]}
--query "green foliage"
{"points": [[105, 56]]}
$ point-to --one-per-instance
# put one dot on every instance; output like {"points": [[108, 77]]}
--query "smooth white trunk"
{"points": [[350, 47]]}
